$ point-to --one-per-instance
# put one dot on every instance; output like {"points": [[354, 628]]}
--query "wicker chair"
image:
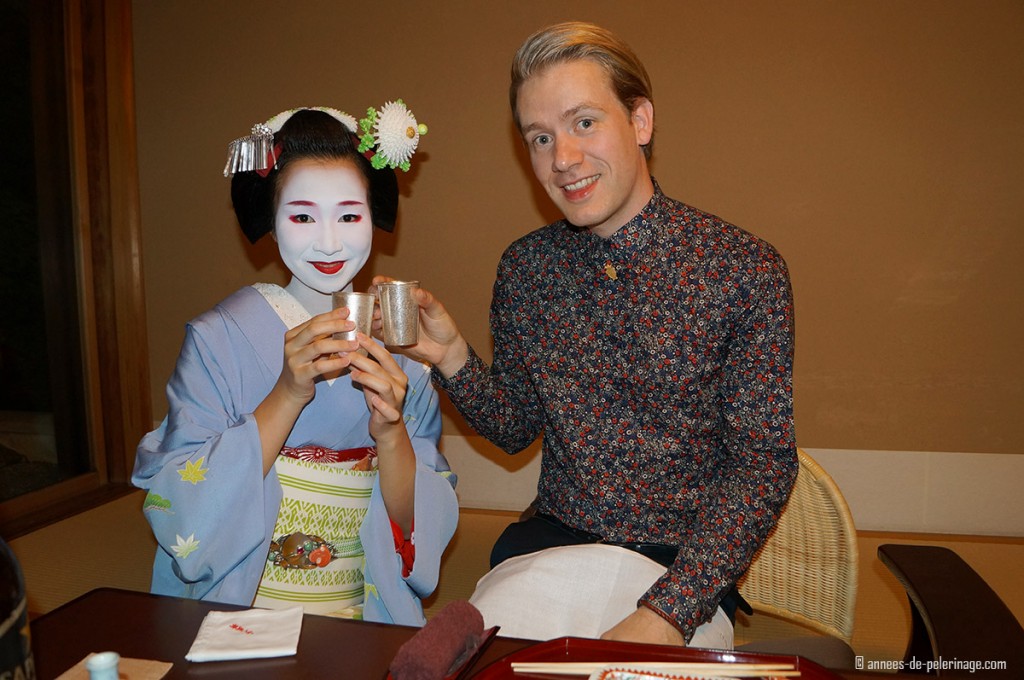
{"points": [[806, 572]]}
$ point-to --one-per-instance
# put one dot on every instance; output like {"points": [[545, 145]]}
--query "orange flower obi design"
{"points": [[321, 556]]}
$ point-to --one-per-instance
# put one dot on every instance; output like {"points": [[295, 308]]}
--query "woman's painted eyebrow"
{"points": [[311, 203]]}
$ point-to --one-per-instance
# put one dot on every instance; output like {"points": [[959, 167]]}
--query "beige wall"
{"points": [[878, 145]]}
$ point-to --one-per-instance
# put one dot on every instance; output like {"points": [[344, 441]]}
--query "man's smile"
{"points": [[580, 188]]}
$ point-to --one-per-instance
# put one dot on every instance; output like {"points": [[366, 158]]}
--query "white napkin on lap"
{"points": [[511, 594], [247, 634]]}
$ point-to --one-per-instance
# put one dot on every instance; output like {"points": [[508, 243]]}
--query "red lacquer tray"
{"points": [[581, 649]]}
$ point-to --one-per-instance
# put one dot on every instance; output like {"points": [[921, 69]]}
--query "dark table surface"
{"points": [[144, 626]]}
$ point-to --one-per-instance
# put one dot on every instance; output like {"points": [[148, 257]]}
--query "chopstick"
{"points": [[723, 670]]}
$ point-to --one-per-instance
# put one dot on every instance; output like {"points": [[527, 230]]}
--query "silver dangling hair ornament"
{"points": [[255, 151]]}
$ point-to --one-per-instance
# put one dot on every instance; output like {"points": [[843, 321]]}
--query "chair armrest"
{"points": [[955, 614]]}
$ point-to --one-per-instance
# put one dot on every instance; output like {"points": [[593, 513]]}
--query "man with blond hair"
{"points": [[651, 345]]}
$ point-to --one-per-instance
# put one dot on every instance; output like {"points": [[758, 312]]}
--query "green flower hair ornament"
{"points": [[393, 133]]}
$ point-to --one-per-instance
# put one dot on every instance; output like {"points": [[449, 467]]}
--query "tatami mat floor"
{"points": [[111, 546]]}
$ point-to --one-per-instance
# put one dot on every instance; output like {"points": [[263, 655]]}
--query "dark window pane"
{"points": [[41, 397]]}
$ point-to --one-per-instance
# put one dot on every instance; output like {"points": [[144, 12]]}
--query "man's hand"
{"points": [[644, 625], [440, 342]]}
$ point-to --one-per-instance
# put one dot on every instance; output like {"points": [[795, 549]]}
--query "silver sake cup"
{"points": [[360, 310], [399, 313]]}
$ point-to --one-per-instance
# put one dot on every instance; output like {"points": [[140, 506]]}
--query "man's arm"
{"points": [[497, 401], [736, 509], [440, 343]]}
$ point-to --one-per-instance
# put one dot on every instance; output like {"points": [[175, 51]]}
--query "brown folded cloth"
{"points": [[437, 650]]}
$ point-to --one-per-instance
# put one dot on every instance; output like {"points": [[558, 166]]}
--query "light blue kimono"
{"points": [[212, 510]]}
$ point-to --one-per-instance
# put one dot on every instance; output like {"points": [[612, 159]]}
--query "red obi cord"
{"points": [[405, 548], [320, 454]]}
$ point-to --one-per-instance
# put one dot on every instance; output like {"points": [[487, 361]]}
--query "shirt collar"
{"points": [[632, 236]]}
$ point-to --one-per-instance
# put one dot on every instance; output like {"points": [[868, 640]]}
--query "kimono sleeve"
{"points": [[208, 502], [390, 597]]}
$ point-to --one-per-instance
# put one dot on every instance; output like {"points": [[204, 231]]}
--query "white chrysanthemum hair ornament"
{"points": [[393, 133]]}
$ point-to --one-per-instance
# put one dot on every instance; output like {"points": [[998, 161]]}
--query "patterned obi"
{"points": [[316, 557]]}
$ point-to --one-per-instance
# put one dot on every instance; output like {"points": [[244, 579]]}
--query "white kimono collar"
{"points": [[288, 309]]}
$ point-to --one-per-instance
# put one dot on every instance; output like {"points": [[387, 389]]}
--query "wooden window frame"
{"points": [[108, 251]]}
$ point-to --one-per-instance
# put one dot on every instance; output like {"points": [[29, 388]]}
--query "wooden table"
{"points": [[144, 626]]}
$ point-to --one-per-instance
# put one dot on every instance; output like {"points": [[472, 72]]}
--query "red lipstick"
{"points": [[329, 267]]}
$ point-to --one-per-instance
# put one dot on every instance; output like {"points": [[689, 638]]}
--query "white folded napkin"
{"points": [[247, 634], [511, 594]]}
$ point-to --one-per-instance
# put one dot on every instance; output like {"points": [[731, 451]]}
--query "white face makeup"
{"points": [[323, 228]]}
